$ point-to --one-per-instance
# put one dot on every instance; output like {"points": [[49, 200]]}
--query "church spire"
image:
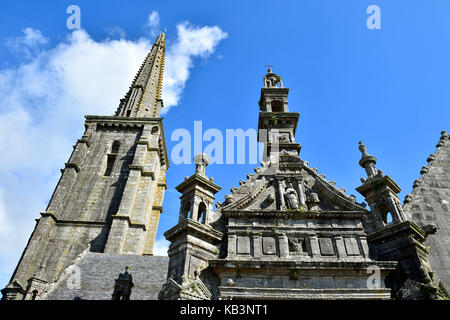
{"points": [[143, 99]]}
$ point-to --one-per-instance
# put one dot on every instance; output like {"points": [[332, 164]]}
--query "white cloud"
{"points": [[115, 32], [152, 25], [160, 247], [29, 43], [44, 99], [191, 42], [5, 228]]}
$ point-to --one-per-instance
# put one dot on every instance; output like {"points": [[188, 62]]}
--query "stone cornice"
{"points": [[52, 215], [294, 214], [190, 226], [124, 120], [376, 183], [280, 116], [301, 265], [198, 179], [407, 227], [275, 90]]}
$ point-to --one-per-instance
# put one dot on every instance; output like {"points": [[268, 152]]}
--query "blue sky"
{"points": [[388, 87]]}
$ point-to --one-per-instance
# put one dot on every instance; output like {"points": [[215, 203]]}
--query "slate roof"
{"points": [[429, 203], [99, 271]]}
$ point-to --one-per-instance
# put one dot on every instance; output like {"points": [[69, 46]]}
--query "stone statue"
{"points": [[291, 197], [123, 286]]}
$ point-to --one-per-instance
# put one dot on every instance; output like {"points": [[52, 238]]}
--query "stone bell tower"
{"points": [[276, 125], [109, 196], [194, 241]]}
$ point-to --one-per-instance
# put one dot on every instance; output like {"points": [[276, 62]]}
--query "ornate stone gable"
{"points": [[288, 185]]}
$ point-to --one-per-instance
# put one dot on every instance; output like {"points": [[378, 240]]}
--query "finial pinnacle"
{"points": [[201, 161], [362, 148], [367, 161]]}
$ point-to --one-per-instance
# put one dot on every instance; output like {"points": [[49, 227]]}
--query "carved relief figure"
{"points": [[314, 202], [297, 245], [291, 197]]}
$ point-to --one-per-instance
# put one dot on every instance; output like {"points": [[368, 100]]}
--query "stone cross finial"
{"points": [[201, 161]]}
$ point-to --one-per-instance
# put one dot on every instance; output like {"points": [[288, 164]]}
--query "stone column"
{"points": [[194, 212], [396, 210], [301, 192], [280, 188]]}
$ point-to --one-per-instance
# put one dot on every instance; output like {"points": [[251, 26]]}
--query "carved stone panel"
{"points": [[243, 245], [269, 245], [351, 246], [297, 246], [326, 246]]}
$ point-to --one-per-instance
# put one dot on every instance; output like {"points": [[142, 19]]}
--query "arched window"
{"points": [[386, 215], [201, 217], [186, 210], [387, 218], [277, 106], [112, 158]]}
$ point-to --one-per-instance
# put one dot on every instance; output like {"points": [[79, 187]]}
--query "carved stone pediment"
{"points": [[189, 290], [289, 185]]}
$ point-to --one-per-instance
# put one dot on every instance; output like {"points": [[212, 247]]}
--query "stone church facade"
{"points": [[285, 233]]}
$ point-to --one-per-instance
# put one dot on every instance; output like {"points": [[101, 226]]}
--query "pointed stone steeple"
{"points": [[143, 99], [110, 194]]}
